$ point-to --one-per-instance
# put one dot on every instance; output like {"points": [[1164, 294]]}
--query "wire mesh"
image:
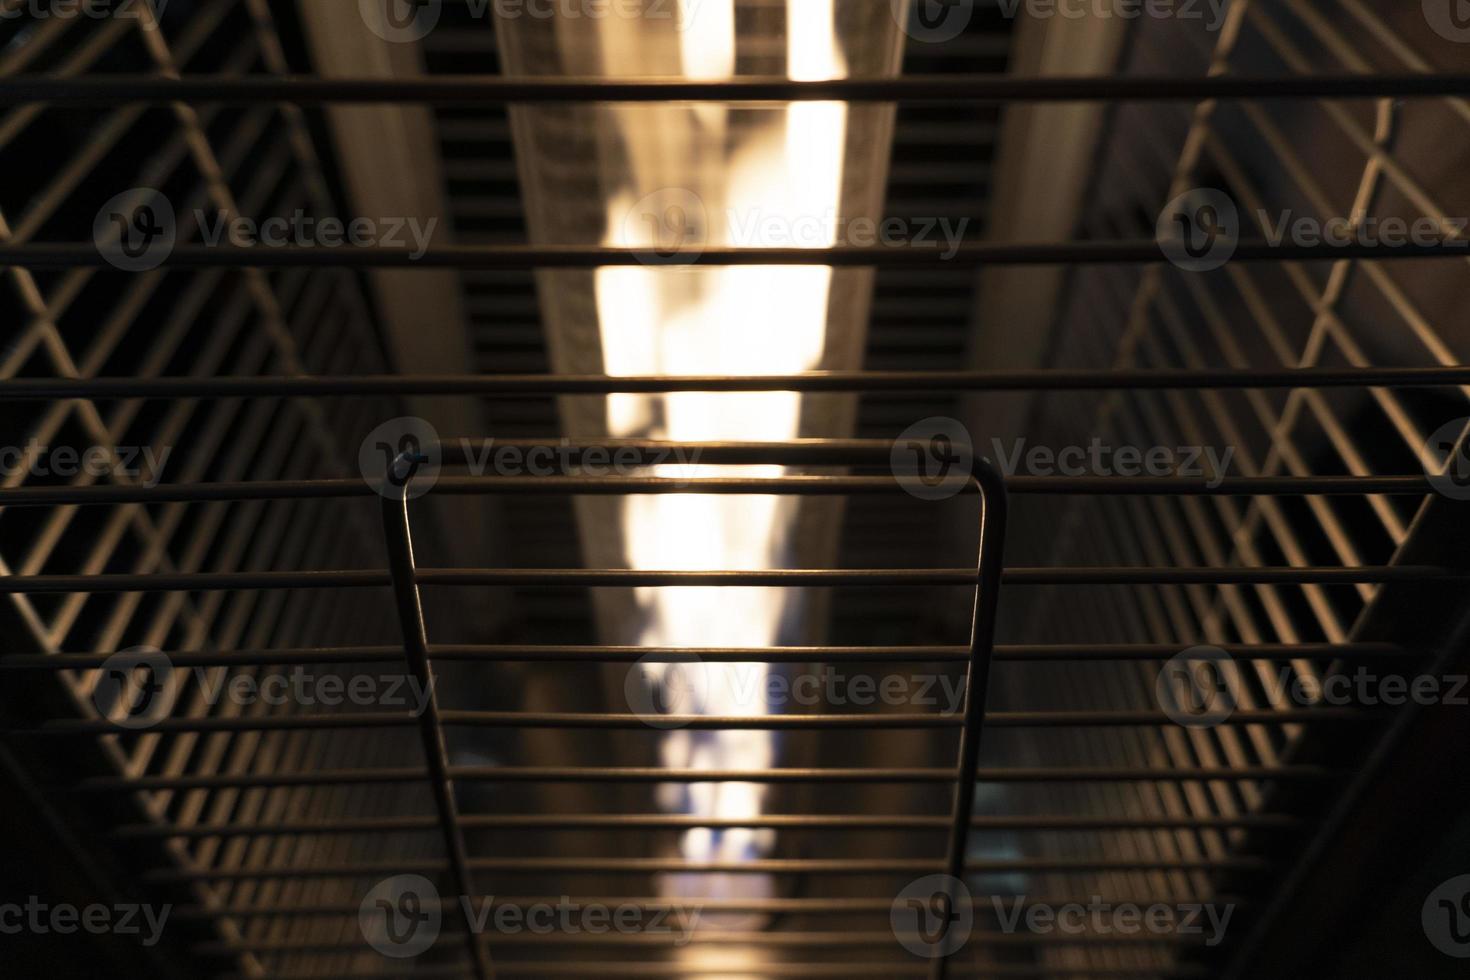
{"points": [[1325, 367]]}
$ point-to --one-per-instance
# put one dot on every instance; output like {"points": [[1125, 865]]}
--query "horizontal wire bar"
{"points": [[581, 969], [1405, 485], [751, 906], [963, 257], [784, 577], [1104, 652], [809, 866], [622, 721], [1049, 575], [121, 89], [585, 653], [671, 936], [541, 823], [656, 774], [262, 723], [208, 658], [20, 389], [993, 719], [191, 581]]}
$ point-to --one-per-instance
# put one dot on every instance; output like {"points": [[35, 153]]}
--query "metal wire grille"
{"points": [[1324, 366]]}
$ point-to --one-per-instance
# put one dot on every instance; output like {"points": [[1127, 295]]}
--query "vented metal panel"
{"points": [[255, 373]]}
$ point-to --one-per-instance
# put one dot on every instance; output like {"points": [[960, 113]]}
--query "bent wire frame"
{"points": [[406, 581]]}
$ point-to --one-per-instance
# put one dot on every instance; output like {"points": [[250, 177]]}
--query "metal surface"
{"points": [[406, 579], [1327, 366], [46, 255], [127, 89], [1055, 380]]}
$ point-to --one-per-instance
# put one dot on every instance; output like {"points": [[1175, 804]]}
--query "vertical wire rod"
{"points": [[982, 645], [399, 539]]}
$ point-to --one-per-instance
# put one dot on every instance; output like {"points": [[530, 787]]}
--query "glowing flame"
{"points": [[739, 321]]}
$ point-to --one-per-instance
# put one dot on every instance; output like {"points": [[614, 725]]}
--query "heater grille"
{"points": [[248, 376]]}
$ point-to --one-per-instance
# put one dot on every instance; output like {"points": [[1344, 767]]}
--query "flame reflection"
{"points": [[776, 167]]}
